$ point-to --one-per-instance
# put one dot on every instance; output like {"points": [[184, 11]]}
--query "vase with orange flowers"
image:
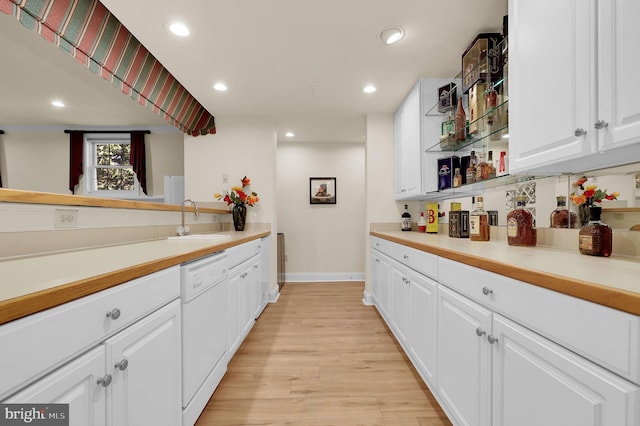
{"points": [[240, 198], [585, 196]]}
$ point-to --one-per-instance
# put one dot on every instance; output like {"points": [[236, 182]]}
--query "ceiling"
{"points": [[301, 62]]}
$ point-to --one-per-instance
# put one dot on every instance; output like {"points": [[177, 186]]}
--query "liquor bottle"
{"points": [[406, 219], [461, 122], [502, 164], [422, 223], [561, 217], [479, 229], [432, 218], [596, 238], [482, 169], [521, 230], [457, 178], [471, 170], [490, 104], [492, 169]]}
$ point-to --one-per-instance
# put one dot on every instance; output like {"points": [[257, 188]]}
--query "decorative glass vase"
{"points": [[583, 212], [239, 213]]}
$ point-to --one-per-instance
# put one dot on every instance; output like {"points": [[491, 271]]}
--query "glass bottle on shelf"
{"points": [[502, 164], [561, 217], [521, 229], [492, 169], [457, 178], [479, 229], [482, 169], [471, 170], [596, 238], [460, 122], [406, 219], [490, 104]]}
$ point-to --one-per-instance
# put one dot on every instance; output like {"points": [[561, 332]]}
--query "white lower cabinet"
{"points": [[464, 359], [498, 352], [536, 382], [132, 378]]}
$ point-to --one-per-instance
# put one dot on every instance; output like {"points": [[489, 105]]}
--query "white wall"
{"points": [[242, 146], [323, 242], [39, 160]]}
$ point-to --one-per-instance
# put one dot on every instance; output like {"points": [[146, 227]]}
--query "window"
{"points": [[108, 169]]}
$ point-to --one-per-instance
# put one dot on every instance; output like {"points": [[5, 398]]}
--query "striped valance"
{"points": [[93, 36]]}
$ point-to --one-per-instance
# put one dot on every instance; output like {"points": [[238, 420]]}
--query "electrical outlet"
{"points": [[65, 218], [225, 178]]}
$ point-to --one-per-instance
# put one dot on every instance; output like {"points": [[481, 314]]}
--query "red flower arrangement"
{"points": [[239, 195], [590, 192]]}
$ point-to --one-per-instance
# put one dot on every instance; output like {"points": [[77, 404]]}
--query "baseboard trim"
{"points": [[324, 277], [368, 298]]}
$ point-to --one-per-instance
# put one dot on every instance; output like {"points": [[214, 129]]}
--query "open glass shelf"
{"points": [[476, 188]]}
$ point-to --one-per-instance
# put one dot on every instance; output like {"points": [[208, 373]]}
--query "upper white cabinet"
{"points": [[573, 103], [413, 174]]}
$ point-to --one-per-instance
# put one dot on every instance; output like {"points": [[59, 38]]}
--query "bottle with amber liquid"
{"points": [[471, 170], [479, 229], [561, 217], [460, 122], [457, 178], [521, 229], [596, 238], [482, 169]]}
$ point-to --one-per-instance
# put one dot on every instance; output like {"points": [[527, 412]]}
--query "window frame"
{"points": [[91, 140]]}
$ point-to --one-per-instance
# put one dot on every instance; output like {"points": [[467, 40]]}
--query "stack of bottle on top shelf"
{"points": [[455, 171]]}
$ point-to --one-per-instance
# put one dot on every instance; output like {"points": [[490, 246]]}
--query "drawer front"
{"points": [[238, 254], [202, 274], [33, 345], [606, 336], [423, 262]]}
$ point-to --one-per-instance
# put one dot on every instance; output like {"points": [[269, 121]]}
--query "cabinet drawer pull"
{"points": [[579, 132], [487, 291], [601, 124], [405, 256], [105, 381], [122, 365], [114, 314], [480, 332], [492, 339]]}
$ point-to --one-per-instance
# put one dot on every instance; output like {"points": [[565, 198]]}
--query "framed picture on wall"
{"points": [[322, 190]]}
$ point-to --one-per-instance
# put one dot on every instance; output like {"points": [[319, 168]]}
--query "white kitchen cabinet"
{"points": [[573, 106], [422, 312], [132, 378], [536, 382], [75, 384], [464, 359], [399, 298], [265, 272], [415, 173], [380, 278], [145, 363]]}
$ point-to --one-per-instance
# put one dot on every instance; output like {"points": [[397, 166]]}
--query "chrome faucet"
{"points": [[184, 230]]}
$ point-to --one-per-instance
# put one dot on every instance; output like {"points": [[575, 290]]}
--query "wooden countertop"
{"points": [[612, 281], [37, 283]]}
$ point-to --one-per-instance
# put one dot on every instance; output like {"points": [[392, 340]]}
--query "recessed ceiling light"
{"points": [[289, 134], [220, 87], [58, 104], [391, 35], [369, 88], [179, 29]]}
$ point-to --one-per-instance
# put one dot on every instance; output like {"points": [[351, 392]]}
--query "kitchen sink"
{"points": [[201, 237]]}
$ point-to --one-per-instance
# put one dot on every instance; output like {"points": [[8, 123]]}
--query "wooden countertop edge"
{"points": [[34, 197], [619, 299], [23, 306]]}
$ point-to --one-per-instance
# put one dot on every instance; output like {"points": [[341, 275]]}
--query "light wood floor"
{"points": [[320, 357]]}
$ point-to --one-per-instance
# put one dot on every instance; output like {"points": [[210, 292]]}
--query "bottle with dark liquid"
{"points": [[479, 229], [561, 217], [596, 238], [406, 219], [471, 170], [521, 230]]}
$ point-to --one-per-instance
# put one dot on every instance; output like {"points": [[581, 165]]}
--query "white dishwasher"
{"points": [[204, 331]]}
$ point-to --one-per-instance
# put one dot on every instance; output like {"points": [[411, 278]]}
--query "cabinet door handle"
{"points": [[405, 257], [492, 339], [487, 291], [114, 314], [122, 365], [601, 124], [255, 266], [480, 332], [105, 381], [580, 132]]}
